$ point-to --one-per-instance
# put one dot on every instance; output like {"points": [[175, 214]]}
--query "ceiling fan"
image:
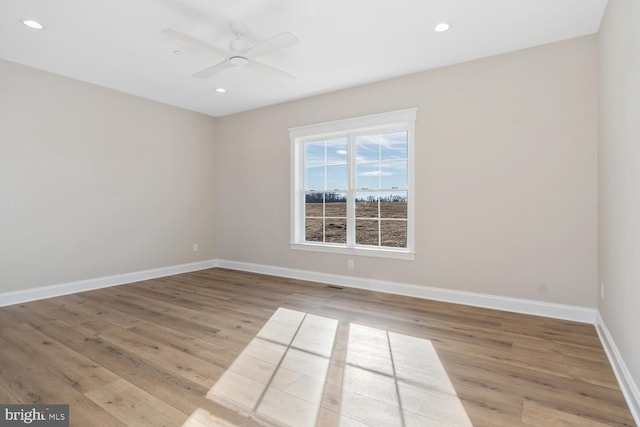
{"points": [[240, 52]]}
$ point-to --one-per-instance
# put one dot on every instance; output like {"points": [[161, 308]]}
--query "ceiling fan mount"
{"points": [[239, 61], [240, 43], [240, 53]]}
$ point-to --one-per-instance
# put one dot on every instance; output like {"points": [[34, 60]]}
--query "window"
{"points": [[352, 185]]}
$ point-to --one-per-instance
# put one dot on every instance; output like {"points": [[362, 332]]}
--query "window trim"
{"points": [[372, 123]]}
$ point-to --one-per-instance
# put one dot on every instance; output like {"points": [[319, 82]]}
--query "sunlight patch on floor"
{"points": [[203, 418], [381, 378], [394, 379], [280, 375]]}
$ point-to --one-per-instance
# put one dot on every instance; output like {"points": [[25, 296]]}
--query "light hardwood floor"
{"points": [[221, 347]]}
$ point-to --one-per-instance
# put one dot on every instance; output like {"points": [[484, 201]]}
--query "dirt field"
{"points": [[369, 228]]}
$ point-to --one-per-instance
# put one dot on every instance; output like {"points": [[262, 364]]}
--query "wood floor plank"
{"points": [[149, 312], [489, 416], [148, 353], [92, 310], [204, 350], [198, 309], [179, 363], [555, 391], [230, 330], [38, 383], [175, 390], [535, 414], [79, 372], [6, 397], [135, 407]]}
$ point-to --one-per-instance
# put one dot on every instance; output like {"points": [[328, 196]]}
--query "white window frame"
{"points": [[383, 122]]}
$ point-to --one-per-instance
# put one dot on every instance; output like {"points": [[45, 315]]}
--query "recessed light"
{"points": [[441, 27], [33, 24], [221, 90]]}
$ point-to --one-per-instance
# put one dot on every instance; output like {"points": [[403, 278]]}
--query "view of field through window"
{"points": [[379, 197]]}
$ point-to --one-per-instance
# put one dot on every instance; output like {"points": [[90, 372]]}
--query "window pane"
{"points": [[314, 153], [393, 204], [314, 204], [336, 177], [313, 230], [367, 232], [393, 233], [394, 146], [366, 205], [336, 230], [314, 178], [336, 205], [337, 151], [393, 174], [368, 176]]}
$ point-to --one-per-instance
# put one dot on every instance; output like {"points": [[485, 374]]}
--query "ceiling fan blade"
{"points": [[195, 42], [212, 71], [273, 44], [270, 71]]}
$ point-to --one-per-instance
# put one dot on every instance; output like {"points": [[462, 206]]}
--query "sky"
{"points": [[381, 163]]}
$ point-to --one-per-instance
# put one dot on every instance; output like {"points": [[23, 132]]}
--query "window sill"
{"points": [[377, 252]]}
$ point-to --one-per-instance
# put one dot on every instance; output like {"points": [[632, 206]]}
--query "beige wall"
{"points": [[506, 176], [619, 178], [94, 182]]}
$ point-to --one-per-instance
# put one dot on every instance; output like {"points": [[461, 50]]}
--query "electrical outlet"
{"points": [[195, 247], [602, 290], [351, 265]]}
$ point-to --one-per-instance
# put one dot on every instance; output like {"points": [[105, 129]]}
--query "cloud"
{"points": [[394, 141], [395, 164], [342, 152], [376, 173]]}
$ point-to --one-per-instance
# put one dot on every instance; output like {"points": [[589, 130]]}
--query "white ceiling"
{"points": [[119, 43]]}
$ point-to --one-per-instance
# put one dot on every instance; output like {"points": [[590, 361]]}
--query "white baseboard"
{"points": [[18, 297], [628, 386], [537, 308]]}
